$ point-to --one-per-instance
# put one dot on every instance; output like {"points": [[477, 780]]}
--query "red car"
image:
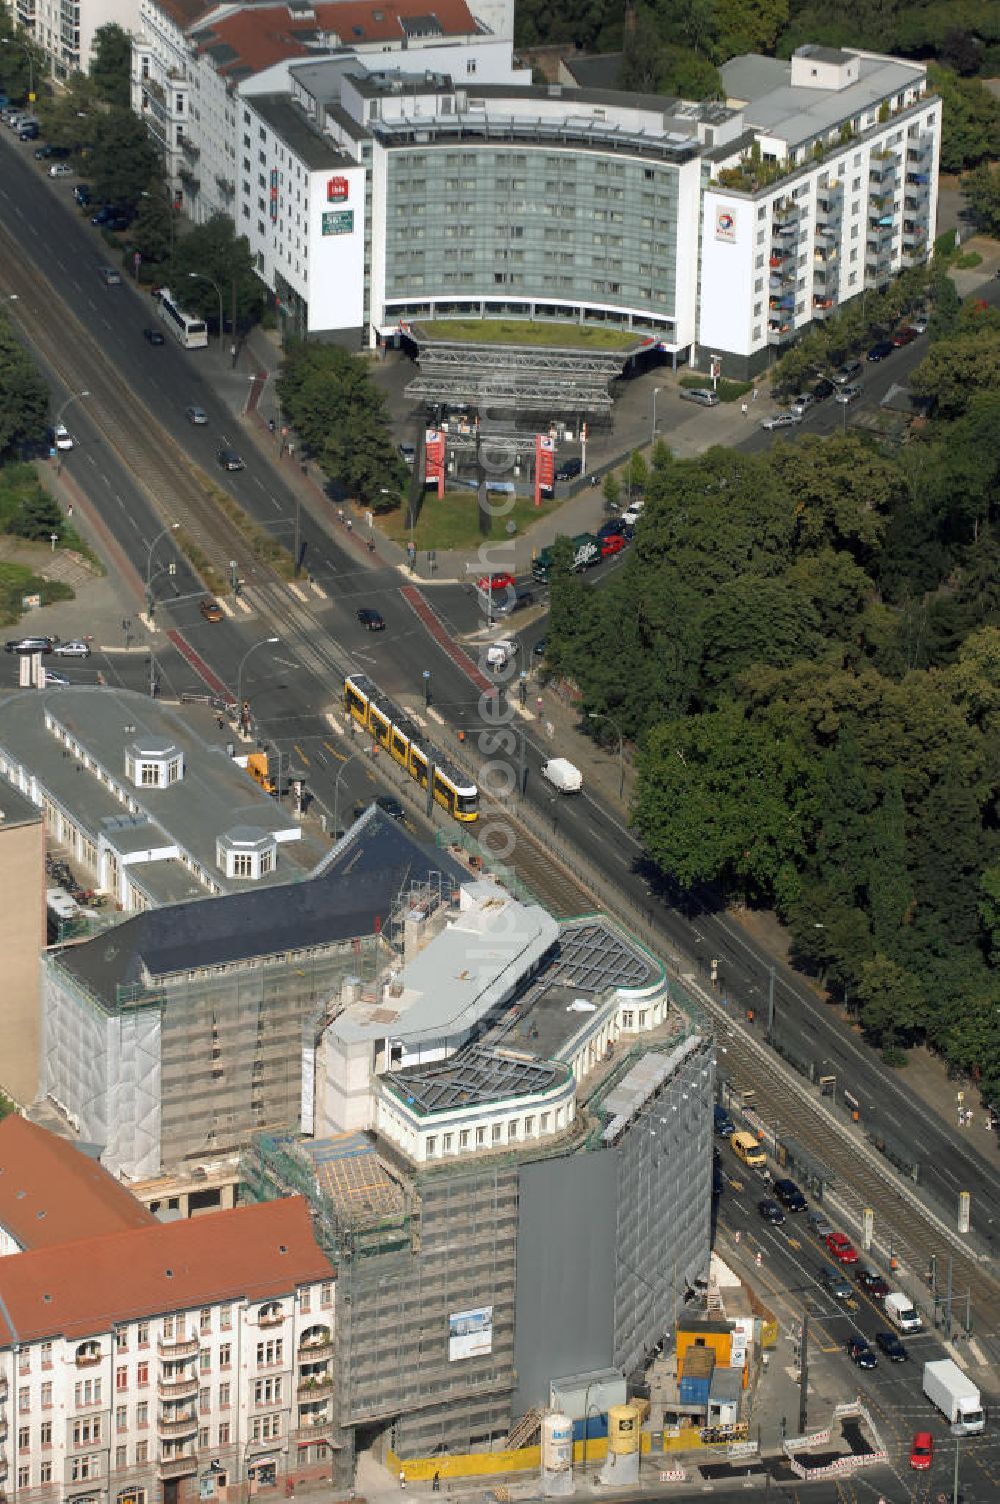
{"points": [[922, 1450], [492, 582], [904, 337], [612, 544], [842, 1248]]}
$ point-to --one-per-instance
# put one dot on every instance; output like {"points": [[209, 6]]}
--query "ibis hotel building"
{"points": [[713, 229]]}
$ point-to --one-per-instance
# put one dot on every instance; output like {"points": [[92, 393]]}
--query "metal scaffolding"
{"points": [[516, 378]]}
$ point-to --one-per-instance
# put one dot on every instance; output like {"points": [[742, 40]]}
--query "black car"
{"points": [[50, 153], [860, 1353], [391, 806], [722, 1122], [373, 620], [152, 336], [872, 1283], [823, 389], [789, 1195], [771, 1212], [569, 469], [230, 460], [29, 132], [538, 651], [889, 1343], [612, 529], [82, 195], [881, 350]]}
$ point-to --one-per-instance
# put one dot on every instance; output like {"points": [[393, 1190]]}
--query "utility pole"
{"points": [[947, 1327], [804, 1375], [770, 1003], [233, 319]]}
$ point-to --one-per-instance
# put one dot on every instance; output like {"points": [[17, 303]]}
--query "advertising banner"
{"points": [[725, 225], [434, 447], [470, 1333], [545, 462]]}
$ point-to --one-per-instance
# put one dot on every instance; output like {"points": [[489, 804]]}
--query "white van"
{"points": [[901, 1312], [562, 775]]}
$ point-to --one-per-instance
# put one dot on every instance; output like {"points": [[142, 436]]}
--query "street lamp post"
{"points": [[68, 403], [958, 1433], [602, 715], [655, 390], [171, 527], [202, 276], [264, 641], [336, 791]]}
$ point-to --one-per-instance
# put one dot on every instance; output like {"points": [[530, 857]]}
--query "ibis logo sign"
{"points": [[337, 190]]}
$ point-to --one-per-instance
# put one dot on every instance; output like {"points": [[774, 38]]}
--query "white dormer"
{"points": [[247, 851], [153, 764]]}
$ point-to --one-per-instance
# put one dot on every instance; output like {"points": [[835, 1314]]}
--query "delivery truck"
{"points": [[901, 1312], [955, 1395], [562, 775]]}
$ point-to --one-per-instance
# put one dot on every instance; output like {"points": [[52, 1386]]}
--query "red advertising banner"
{"points": [[545, 460], [434, 445]]}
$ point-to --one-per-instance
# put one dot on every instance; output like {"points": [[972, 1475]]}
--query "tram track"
{"points": [[176, 489]]}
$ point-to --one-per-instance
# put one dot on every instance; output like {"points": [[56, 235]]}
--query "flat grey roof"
{"points": [[462, 974], [602, 70], [213, 796], [293, 127], [797, 114], [351, 895], [16, 809]]}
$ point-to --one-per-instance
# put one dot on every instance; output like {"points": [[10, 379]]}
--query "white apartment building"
{"points": [[860, 140], [168, 1362], [192, 61], [711, 229], [65, 29]]}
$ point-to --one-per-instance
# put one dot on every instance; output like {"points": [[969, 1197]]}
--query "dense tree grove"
{"points": [[339, 413], [804, 646]]}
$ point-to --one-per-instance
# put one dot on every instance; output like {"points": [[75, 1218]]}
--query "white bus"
{"points": [[192, 333]]}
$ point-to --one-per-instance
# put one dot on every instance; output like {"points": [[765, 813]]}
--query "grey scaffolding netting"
{"points": [[516, 379]]}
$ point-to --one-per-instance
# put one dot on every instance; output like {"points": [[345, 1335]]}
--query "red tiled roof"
{"points": [[80, 1289], [259, 36], [52, 1193]]}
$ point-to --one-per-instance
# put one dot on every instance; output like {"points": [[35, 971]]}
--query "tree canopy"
{"points": [[804, 647], [111, 65], [24, 395], [339, 413]]}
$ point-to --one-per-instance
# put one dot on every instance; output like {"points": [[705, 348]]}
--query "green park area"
{"points": [[452, 521]]}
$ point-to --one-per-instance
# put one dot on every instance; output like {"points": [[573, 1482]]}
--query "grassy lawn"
{"points": [[452, 521], [525, 332]]}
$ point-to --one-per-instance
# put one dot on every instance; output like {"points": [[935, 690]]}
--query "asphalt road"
{"points": [[293, 685]]}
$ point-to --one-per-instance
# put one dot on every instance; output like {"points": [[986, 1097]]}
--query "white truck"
{"points": [[955, 1395], [901, 1312], [562, 775]]}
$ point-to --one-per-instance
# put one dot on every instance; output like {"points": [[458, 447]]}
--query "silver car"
{"points": [[782, 420], [801, 404], [699, 394], [75, 648], [849, 394]]}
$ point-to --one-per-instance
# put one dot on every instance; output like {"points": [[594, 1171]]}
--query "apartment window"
{"points": [[224, 1433], [432, 1142], [142, 1451], [46, 1433], [267, 1391], [82, 1468], [205, 1321], [142, 1415], [529, 1125], [270, 1353], [142, 1374], [305, 1300], [203, 1438], [543, 1122], [204, 1400], [225, 1355], [24, 1399], [23, 1477], [121, 1378], [23, 1438], [224, 1400], [463, 1139], [121, 1458], [142, 1334], [266, 1427], [121, 1417], [243, 864], [226, 1318], [480, 1137], [86, 1431], [46, 1354], [47, 1395], [87, 1392], [326, 1294], [447, 1143], [169, 1328]]}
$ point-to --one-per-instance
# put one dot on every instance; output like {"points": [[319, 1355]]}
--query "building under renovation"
{"points": [[171, 1038], [515, 1180]]}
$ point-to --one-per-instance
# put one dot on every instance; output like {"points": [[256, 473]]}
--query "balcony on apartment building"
{"points": [[87, 1355], [316, 1345], [177, 1467], [313, 1385], [182, 1388], [919, 150], [173, 1426], [780, 331], [179, 1347]]}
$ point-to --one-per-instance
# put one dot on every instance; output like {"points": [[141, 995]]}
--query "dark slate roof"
{"points": [[352, 892], [599, 71]]}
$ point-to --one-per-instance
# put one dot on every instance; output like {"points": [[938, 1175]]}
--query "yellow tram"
{"points": [[392, 729]]}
